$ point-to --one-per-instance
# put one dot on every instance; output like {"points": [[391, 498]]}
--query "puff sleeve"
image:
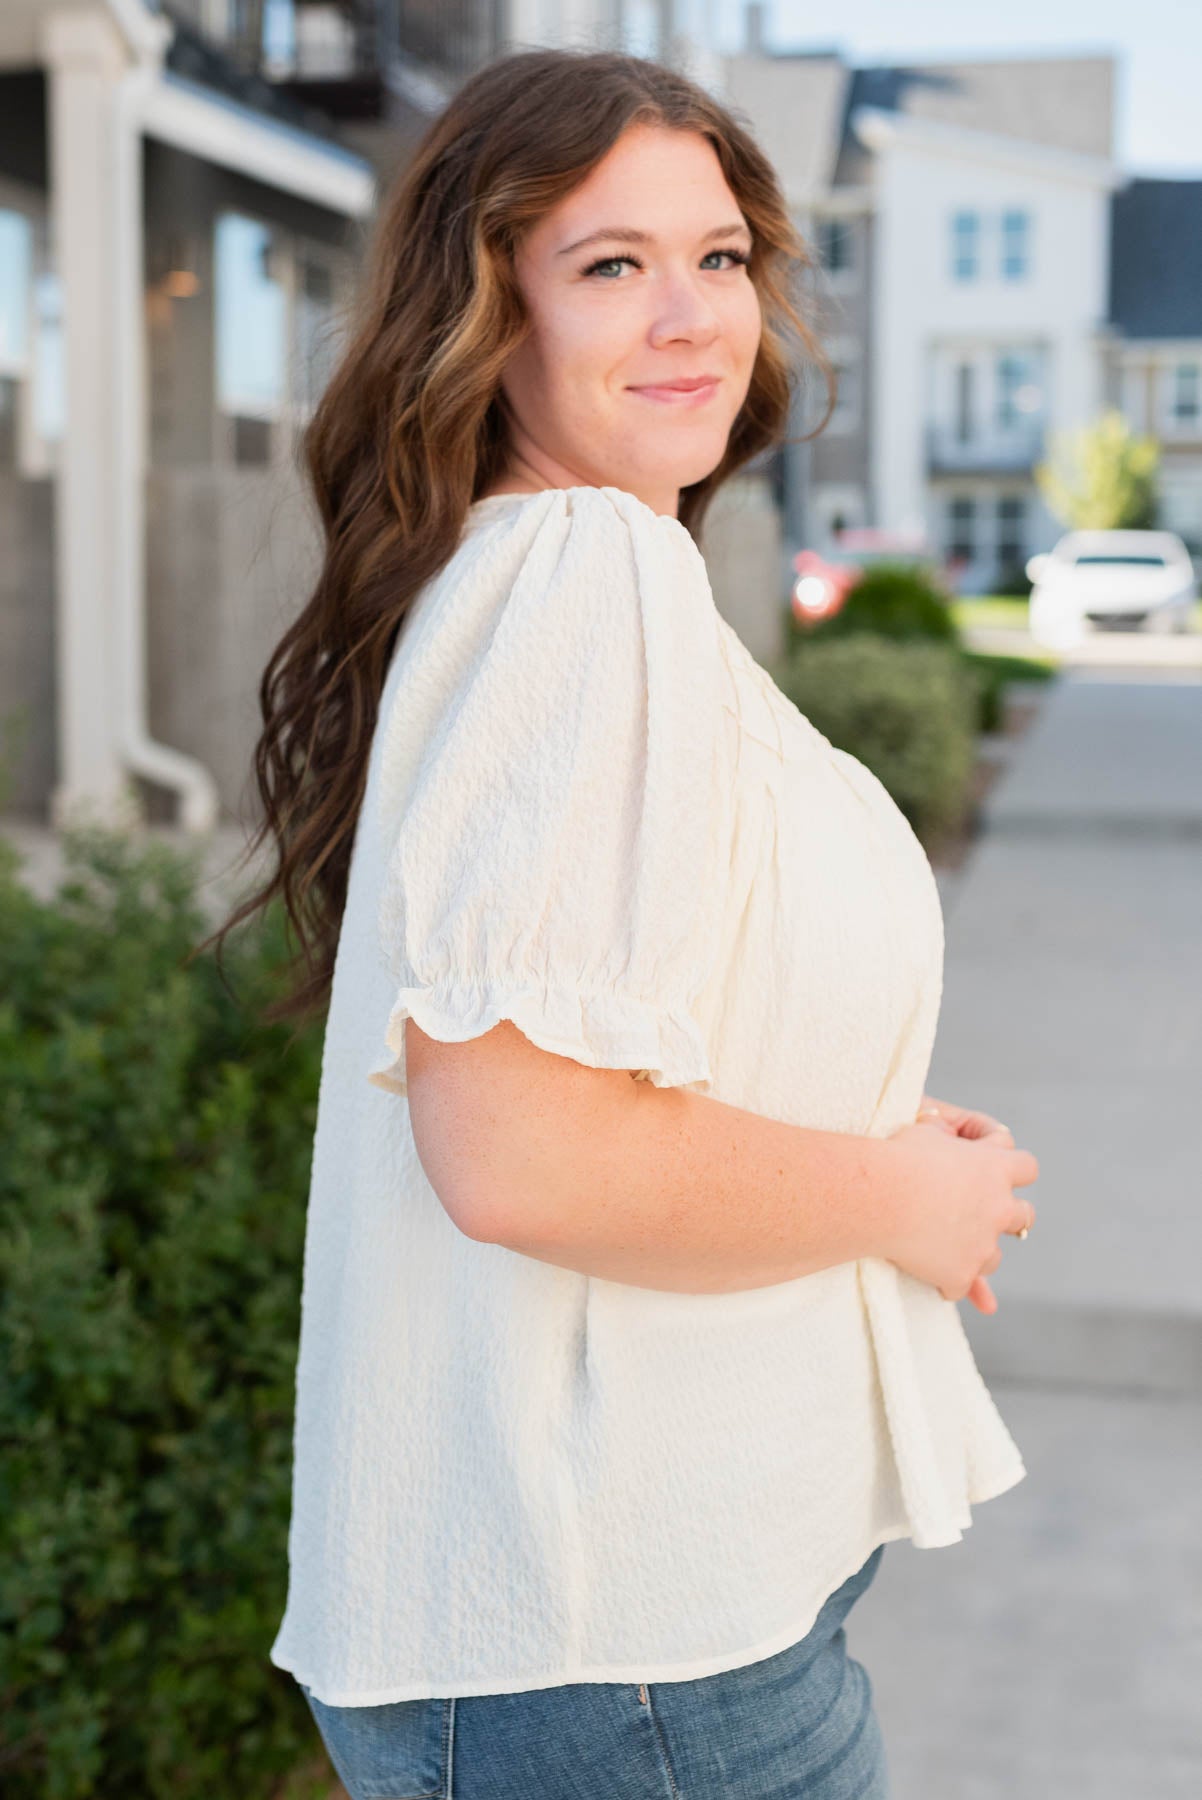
{"points": [[553, 795]]}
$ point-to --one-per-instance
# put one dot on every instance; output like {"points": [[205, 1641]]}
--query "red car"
{"points": [[822, 582]]}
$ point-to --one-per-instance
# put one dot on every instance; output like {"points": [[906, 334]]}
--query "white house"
{"points": [[991, 272]]}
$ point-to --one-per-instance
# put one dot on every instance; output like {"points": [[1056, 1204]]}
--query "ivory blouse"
{"points": [[590, 811]]}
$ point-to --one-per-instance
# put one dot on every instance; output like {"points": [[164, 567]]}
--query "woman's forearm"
{"points": [[666, 1188]]}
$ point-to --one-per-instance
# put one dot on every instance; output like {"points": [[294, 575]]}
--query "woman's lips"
{"points": [[680, 396]]}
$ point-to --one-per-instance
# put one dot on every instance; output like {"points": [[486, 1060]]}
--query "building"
{"points": [[961, 212], [176, 241], [186, 187], [1152, 350]]}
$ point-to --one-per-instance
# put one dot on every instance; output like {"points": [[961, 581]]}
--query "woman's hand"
{"points": [[961, 1121], [965, 1123]]}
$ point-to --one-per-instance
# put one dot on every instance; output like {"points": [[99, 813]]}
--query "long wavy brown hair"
{"points": [[411, 427]]}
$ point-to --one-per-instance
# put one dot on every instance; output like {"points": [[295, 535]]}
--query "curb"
{"points": [[1110, 1349]]}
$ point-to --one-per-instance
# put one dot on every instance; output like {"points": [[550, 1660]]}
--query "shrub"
{"points": [[1013, 581], [994, 674], [152, 1196], [905, 710], [891, 600]]}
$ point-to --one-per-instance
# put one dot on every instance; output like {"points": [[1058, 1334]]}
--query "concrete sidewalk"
{"points": [[1072, 1009], [1056, 1651]]}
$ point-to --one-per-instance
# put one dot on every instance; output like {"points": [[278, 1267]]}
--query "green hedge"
{"points": [[906, 709], [994, 673], [157, 1141], [890, 600]]}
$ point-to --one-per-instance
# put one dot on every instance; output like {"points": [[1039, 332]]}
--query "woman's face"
{"points": [[656, 296]]}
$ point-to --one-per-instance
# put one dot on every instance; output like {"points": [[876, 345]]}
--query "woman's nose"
{"points": [[685, 310]]}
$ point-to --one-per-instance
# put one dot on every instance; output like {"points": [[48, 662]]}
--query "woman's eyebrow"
{"points": [[626, 234]]}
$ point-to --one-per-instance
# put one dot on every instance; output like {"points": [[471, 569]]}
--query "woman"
{"points": [[628, 1333]]}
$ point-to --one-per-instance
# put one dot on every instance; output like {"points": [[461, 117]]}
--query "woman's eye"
{"points": [[611, 262], [737, 257]]}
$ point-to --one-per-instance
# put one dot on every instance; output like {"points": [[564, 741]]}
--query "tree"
{"points": [[1102, 477]]}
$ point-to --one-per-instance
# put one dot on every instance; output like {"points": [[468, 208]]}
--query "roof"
{"points": [[794, 106], [1156, 259], [1066, 103]]}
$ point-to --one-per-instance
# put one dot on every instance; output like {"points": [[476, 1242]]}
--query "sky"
{"points": [[1157, 45]]}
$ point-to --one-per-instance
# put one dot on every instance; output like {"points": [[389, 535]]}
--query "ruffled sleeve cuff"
{"points": [[602, 1030]]}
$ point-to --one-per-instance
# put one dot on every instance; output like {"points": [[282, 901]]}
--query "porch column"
{"points": [[85, 57]]}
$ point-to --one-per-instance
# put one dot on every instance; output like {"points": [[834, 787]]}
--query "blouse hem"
{"points": [[721, 1663]]}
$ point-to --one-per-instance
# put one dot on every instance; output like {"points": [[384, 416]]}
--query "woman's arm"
{"points": [[667, 1188]]}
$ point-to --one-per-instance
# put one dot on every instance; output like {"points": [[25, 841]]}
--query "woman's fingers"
{"points": [[1023, 1169], [982, 1296]]}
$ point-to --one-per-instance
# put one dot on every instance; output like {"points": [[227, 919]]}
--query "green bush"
{"points": [[1014, 581], [907, 710], [994, 674], [890, 600], [157, 1142]]}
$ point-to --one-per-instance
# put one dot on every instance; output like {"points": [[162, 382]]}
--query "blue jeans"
{"points": [[795, 1726]]}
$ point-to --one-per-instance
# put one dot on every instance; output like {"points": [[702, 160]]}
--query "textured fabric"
{"points": [[797, 1724], [589, 810]]}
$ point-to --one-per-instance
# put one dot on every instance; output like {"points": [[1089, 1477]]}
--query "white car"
{"points": [[1143, 578]]}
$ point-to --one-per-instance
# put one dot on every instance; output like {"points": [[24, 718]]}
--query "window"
{"points": [[16, 277], [279, 299], [1011, 386], [962, 516], [1118, 562], [1016, 233], [316, 330], [846, 416], [836, 245], [251, 327], [966, 245], [16, 260], [964, 402], [1011, 530], [1186, 402], [32, 393], [49, 378]]}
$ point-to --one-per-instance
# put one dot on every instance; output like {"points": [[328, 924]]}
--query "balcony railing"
{"points": [[1012, 450], [341, 55]]}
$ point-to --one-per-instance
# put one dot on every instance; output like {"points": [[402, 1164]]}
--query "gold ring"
{"points": [[1023, 1232]]}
